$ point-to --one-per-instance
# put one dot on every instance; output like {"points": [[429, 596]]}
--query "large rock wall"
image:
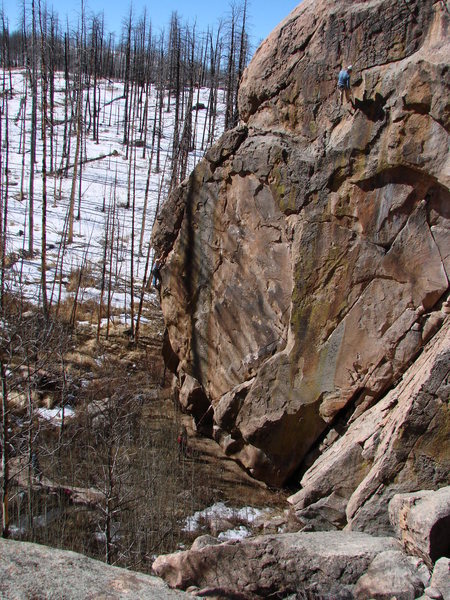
{"points": [[307, 256]]}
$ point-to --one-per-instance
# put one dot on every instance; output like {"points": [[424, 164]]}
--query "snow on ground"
{"points": [[238, 533], [103, 190], [218, 514], [55, 415]]}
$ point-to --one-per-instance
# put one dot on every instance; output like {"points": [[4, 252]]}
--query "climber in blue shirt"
{"points": [[344, 84]]}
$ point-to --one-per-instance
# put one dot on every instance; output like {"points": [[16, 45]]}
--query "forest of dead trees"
{"points": [[74, 84], [178, 63]]}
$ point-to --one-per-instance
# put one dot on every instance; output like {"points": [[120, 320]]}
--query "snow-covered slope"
{"points": [[107, 184]]}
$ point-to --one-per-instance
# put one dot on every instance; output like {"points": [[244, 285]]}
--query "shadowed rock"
{"points": [[396, 445]]}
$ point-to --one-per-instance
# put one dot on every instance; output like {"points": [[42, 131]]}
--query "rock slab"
{"points": [[397, 445], [440, 579], [393, 574], [34, 571]]}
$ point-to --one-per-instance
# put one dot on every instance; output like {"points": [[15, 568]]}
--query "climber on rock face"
{"points": [[156, 272], [344, 85]]}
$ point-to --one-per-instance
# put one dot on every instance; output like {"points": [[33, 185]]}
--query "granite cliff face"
{"points": [[307, 258]]}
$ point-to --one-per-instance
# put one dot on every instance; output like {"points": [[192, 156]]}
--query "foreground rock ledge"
{"points": [[34, 571]]}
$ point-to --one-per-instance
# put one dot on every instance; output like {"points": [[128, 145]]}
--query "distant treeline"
{"points": [[175, 58]]}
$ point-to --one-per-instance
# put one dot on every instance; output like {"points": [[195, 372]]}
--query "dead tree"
{"points": [[44, 118]]}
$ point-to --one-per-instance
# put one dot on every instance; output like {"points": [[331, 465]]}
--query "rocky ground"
{"points": [[327, 564]]}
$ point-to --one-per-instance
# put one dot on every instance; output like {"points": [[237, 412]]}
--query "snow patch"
{"points": [[239, 533], [220, 512], [55, 415]]}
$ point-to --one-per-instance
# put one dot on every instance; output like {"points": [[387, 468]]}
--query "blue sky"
{"points": [[264, 15]]}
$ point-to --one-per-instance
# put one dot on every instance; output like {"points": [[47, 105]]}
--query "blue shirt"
{"points": [[344, 79]]}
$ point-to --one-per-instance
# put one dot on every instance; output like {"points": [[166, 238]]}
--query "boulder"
{"points": [[392, 574], [440, 580], [328, 562], [204, 540], [422, 522], [304, 255], [33, 571]]}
